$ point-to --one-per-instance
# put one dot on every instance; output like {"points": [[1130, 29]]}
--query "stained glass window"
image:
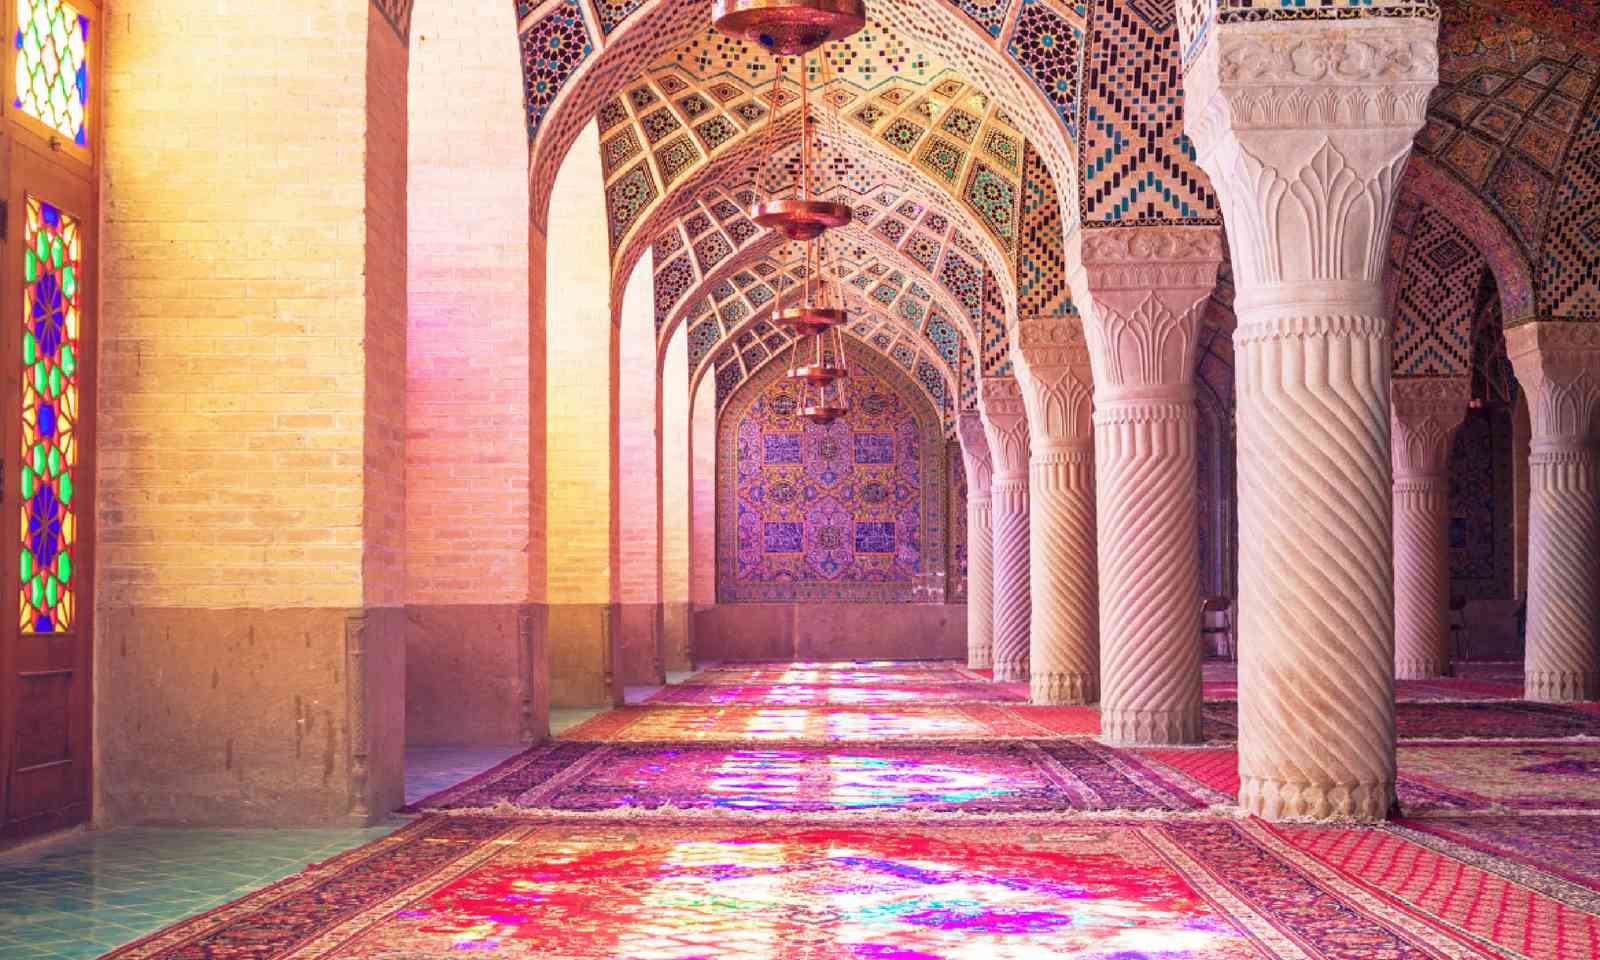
{"points": [[53, 66], [50, 331]]}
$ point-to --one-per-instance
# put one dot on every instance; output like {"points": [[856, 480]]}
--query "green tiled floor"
{"points": [[80, 896]]}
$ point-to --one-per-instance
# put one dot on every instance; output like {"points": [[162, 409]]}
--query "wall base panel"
{"points": [[831, 631], [250, 717], [639, 644], [583, 654], [471, 675]]}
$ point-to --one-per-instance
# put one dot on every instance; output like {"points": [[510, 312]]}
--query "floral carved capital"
{"points": [[1558, 365], [1005, 424]]}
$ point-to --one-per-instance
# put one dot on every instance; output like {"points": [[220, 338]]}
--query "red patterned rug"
{"points": [[1529, 775], [1565, 847], [832, 694], [1211, 890], [1018, 777], [1507, 719], [933, 671]]}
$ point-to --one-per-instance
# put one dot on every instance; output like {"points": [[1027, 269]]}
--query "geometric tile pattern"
{"points": [[1135, 163], [1048, 43], [1569, 263], [626, 199], [853, 510], [1041, 256], [551, 50], [1437, 299], [996, 356], [671, 283]]}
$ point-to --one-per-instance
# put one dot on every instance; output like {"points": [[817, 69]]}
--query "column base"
{"points": [[1299, 800], [1561, 686], [1150, 727], [1418, 668], [1012, 672], [1064, 688], [980, 659]]}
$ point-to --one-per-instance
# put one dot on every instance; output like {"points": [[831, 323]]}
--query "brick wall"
{"points": [[232, 436], [703, 520], [467, 457], [580, 390], [675, 471], [383, 568], [637, 488]]}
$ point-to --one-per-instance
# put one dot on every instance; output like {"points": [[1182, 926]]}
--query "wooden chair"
{"points": [[1216, 617]]}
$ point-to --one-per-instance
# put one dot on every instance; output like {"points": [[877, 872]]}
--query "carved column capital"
{"points": [[1304, 128], [1054, 374], [975, 455], [1005, 424], [1142, 291], [1558, 365], [1424, 415]]}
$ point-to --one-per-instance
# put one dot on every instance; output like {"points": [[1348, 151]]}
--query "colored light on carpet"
{"points": [[835, 678], [818, 694], [1017, 777], [954, 721], [1213, 889]]}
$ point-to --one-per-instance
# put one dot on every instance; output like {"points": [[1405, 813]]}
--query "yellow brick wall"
{"points": [[675, 470], [637, 488], [232, 427], [467, 390], [580, 390]]}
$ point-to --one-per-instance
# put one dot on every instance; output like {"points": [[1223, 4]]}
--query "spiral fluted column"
{"points": [[1006, 426], [1558, 365], [1305, 128], [1425, 414], [1142, 291], [1052, 360], [980, 542]]}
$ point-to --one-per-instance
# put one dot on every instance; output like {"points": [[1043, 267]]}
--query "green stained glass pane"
{"points": [[63, 568], [52, 590], [41, 246], [25, 566], [38, 458], [69, 282], [55, 381], [30, 267], [57, 252], [69, 361], [27, 482], [66, 488], [55, 462], [30, 348], [51, 51], [36, 592], [40, 380]]}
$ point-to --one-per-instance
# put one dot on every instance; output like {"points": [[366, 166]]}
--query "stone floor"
{"points": [[79, 896]]}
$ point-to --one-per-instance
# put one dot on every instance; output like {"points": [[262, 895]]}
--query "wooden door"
{"points": [[47, 306]]}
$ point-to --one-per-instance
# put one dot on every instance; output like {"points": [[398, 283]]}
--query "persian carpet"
{"points": [[1533, 775], [1508, 719], [827, 693], [1566, 846], [954, 721], [1016, 778], [1212, 890], [943, 672]]}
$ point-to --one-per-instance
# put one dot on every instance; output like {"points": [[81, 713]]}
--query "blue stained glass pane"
{"points": [[43, 624], [50, 215], [47, 420]]}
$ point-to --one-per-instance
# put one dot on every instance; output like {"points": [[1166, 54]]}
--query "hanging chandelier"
{"points": [[822, 393], [789, 28]]}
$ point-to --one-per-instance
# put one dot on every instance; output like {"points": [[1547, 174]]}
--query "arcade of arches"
{"points": [[403, 457]]}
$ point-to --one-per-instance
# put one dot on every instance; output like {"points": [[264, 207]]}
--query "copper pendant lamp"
{"points": [[799, 217], [808, 321], [789, 27]]}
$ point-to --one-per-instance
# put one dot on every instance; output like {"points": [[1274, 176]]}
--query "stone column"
{"points": [[980, 543], [1142, 291], [1052, 362], [1005, 424], [1558, 367], [1426, 413], [1304, 127]]}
